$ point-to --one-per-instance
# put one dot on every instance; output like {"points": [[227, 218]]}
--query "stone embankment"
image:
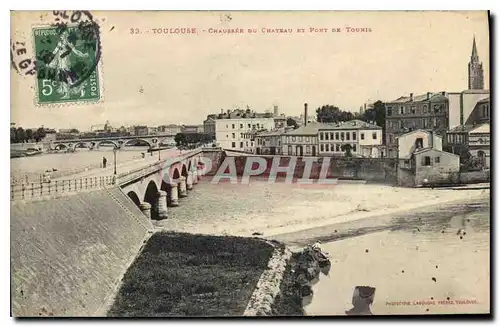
{"points": [[69, 253], [285, 287]]}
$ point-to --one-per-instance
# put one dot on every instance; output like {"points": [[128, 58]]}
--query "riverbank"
{"points": [[192, 275]]}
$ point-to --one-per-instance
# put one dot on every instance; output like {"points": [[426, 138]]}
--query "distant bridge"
{"points": [[153, 141], [152, 186]]}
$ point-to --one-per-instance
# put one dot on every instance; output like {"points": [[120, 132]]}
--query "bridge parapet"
{"points": [[33, 191], [137, 173]]}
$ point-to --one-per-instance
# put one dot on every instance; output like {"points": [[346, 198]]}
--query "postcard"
{"points": [[250, 163]]}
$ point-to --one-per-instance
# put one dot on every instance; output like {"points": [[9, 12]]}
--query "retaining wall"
{"points": [[369, 169], [69, 253]]}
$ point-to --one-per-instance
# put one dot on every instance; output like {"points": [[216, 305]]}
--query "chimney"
{"points": [[431, 139], [428, 95], [411, 97], [364, 108], [228, 112], [443, 93], [276, 111], [222, 111], [305, 114]]}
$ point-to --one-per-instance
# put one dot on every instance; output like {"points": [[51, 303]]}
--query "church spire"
{"points": [[476, 74], [474, 48]]}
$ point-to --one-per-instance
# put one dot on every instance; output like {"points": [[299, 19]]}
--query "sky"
{"points": [[156, 79]]}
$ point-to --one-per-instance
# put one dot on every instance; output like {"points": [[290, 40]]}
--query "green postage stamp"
{"points": [[67, 59]]}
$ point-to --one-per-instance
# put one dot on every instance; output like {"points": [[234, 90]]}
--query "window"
{"points": [[401, 124], [336, 135], [362, 136], [241, 125], [253, 126], [247, 143], [327, 147], [326, 136], [419, 143], [322, 147], [337, 147], [258, 126], [374, 135], [227, 135], [321, 136], [300, 138], [308, 149], [425, 108], [437, 108], [412, 109], [389, 111], [241, 135], [306, 139], [234, 135], [289, 150], [347, 136], [354, 136], [437, 159], [331, 135], [233, 126], [249, 126], [424, 122], [293, 138], [227, 126], [233, 144], [342, 136], [401, 110], [354, 148], [427, 161]]}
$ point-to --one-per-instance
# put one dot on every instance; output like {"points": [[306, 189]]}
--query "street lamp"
{"points": [[115, 149], [159, 150]]}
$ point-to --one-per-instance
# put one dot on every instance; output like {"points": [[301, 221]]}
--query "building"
{"points": [[405, 114], [364, 139], [421, 160], [280, 121], [152, 130], [302, 141], [170, 130], [473, 139], [231, 128], [192, 129], [476, 73], [269, 142], [419, 139], [141, 130]]}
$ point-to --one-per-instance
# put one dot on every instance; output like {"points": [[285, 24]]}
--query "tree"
{"points": [[13, 137], [39, 134], [291, 122], [74, 131], [29, 135], [180, 139], [332, 114], [347, 148], [376, 114], [20, 135]]}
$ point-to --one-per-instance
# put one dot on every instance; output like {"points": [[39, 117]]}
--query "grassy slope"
{"points": [[192, 275]]}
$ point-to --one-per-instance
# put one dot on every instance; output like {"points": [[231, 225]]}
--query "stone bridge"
{"points": [[153, 141], [153, 188]]}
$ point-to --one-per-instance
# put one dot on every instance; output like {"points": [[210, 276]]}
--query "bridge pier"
{"points": [[146, 209], [174, 195], [161, 205], [195, 177], [189, 181], [182, 187]]}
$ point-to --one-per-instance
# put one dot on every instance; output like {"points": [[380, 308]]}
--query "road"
{"points": [[124, 167]]}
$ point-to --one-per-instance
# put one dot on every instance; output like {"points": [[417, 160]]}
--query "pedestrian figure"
{"points": [[104, 161]]}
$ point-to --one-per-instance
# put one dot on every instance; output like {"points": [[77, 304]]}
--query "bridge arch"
{"points": [[184, 171], [151, 193], [134, 197], [134, 140], [86, 145], [98, 143], [60, 146]]}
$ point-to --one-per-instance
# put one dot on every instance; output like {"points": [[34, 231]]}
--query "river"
{"points": [[398, 252]]}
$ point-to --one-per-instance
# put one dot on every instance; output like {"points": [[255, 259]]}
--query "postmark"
{"points": [[67, 56]]}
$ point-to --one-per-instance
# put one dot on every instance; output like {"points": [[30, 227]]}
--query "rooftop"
{"points": [[422, 97], [351, 124]]}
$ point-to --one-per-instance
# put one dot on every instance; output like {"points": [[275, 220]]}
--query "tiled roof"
{"points": [[309, 129], [351, 124], [464, 128], [420, 98]]}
